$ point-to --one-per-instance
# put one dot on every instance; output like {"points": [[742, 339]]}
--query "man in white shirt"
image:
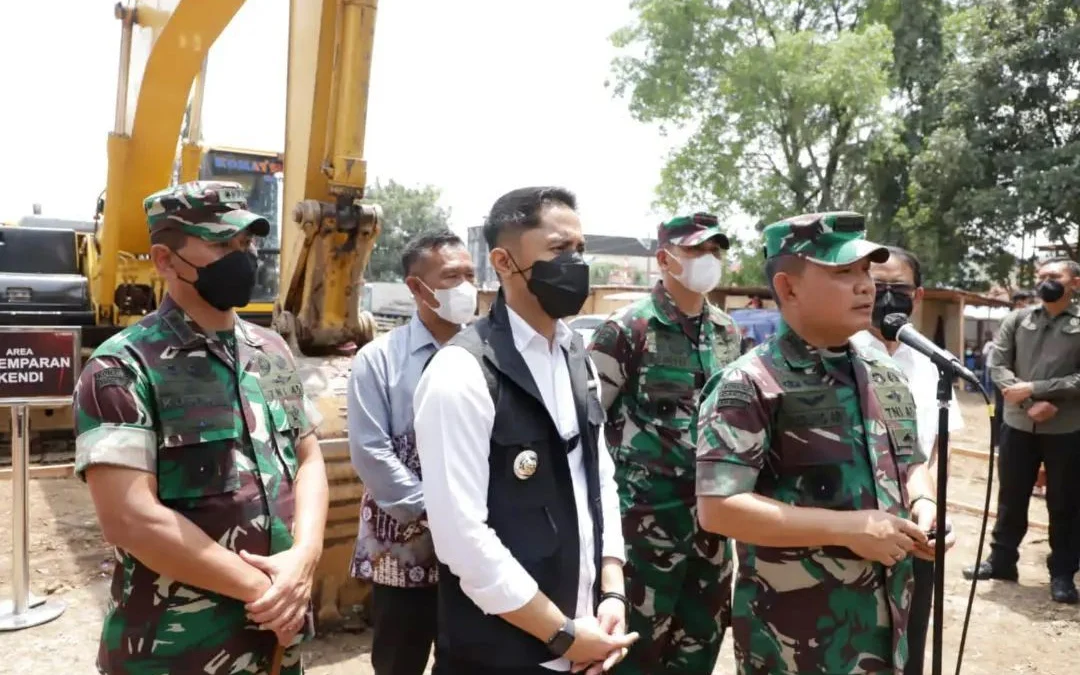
{"points": [[519, 487], [900, 291]]}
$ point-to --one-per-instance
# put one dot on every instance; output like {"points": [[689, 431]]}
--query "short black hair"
{"points": [[909, 259], [1022, 295], [1069, 263], [432, 240], [787, 263], [520, 209], [172, 238]]}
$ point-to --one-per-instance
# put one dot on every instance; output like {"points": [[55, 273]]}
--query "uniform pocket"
{"points": [[197, 464], [820, 475], [286, 432], [668, 401]]}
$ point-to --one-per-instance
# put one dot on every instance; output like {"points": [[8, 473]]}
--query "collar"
{"points": [[666, 311], [1072, 309], [524, 334], [190, 334], [669, 314], [867, 339], [798, 354], [419, 336]]}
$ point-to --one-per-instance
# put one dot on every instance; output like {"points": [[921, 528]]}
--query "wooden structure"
{"points": [[942, 310]]}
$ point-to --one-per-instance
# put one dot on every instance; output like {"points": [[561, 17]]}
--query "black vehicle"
{"points": [[40, 280]]}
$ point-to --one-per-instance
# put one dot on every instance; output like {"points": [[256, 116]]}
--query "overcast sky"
{"points": [[475, 97]]}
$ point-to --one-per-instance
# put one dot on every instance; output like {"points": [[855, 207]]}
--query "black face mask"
{"points": [[1050, 290], [888, 302], [560, 284], [227, 282]]}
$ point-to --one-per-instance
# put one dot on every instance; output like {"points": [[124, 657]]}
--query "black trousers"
{"points": [[404, 629], [996, 423], [445, 665], [1019, 457], [922, 599]]}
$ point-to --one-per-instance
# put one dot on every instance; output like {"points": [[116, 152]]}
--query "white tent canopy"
{"points": [[985, 313]]}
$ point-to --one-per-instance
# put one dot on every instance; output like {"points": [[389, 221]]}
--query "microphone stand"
{"points": [[944, 396]]}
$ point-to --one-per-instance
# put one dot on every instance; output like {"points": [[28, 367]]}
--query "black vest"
{"points": [[535, 516]]}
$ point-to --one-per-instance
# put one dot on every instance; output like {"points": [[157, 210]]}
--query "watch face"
{"points": [[561, 642]]}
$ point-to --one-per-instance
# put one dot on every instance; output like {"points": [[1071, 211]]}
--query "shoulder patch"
{"points": [[734, 394], [606, 336], [115, 376]]}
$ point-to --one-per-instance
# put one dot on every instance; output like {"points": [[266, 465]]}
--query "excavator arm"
{"points": [[323, 253], [326, 247], [142, 148], [330, 45]]}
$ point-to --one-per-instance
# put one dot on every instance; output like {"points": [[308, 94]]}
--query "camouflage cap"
{"points": [[210, 210], [691, 231], [837, 238]]}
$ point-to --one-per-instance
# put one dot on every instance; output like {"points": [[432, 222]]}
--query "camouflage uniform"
{"points": [[653, 361], [823, 429], [217, 419]]}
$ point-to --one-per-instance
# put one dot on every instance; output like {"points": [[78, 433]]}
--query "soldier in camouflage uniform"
{"points": [[806, 456], [653, 358], [198, 445]]}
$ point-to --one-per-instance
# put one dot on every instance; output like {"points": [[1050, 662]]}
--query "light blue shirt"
{"points": [[384, 376]]}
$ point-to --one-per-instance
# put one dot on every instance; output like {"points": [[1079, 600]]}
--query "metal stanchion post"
{"points": [[23, 610]]}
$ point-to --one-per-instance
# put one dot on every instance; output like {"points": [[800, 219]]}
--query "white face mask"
{"points": [[699, 275], [457, 304]]}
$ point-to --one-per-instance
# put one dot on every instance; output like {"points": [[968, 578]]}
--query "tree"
{"points": [[917, 28], [782, 100], [406, 213], [745, 264], [1004, 161]]}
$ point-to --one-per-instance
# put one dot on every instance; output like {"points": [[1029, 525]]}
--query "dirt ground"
{"points": [[1014, 627]]}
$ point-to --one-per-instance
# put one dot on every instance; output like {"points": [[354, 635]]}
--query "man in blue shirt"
{"points": [[394, 550]]}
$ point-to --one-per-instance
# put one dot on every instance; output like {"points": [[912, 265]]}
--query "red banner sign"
{"points": [[37, 363]]}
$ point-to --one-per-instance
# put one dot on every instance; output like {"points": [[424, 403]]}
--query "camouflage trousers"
{"points": [[678, 581], [114, 657]]}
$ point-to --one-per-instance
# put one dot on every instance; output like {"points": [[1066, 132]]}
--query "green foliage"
{"points": [[1004, 162], [745, 264], [954, 124], [783, 100], [600, 273], [406, 213]]}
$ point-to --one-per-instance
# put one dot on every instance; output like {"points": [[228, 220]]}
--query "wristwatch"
{"points": [[560, 642]]}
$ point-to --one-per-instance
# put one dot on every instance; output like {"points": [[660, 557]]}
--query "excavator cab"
{"points": [[260, 174]]}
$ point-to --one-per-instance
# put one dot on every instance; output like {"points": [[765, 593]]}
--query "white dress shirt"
{"points": [[453, 419], [922, 377]]}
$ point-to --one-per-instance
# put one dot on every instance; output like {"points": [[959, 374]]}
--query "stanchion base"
{"points": [[40, 610]]}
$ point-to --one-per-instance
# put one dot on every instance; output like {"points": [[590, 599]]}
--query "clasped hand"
{"points": [[601, 642], [284, 604]]}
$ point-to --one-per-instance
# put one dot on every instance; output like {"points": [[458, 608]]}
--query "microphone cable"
{"points": [[982, 534]]}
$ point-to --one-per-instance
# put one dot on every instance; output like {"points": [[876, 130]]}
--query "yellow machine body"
{"points": [[326, 234]]}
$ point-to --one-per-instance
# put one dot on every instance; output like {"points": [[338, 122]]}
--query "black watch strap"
{"points": [[559, 643]]}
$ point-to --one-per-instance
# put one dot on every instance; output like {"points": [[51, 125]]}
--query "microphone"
{"points": [[897, 328]]}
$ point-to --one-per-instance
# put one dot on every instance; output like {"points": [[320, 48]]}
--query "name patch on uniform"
{"points": [[107, 377], [673, 351], [734, 395], [282, 388], [194, 399], [814, 419]]}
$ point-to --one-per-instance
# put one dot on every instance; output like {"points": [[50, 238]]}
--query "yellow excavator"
{"points": [[104, 279]]}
